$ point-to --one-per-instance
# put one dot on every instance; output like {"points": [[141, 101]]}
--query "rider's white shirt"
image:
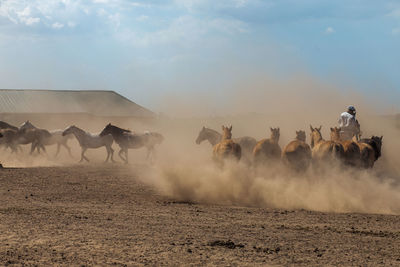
{"points": [[348, 121]]}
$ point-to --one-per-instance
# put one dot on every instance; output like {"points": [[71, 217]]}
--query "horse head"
{"points": [[315, 135], [27, 125], [226, 132], [377, 145], [275, 134], [335, 134], [112, 129], [301, 135], [202, 135]]}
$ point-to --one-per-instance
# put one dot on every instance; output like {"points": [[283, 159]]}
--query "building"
{"points": [[60, 108]]}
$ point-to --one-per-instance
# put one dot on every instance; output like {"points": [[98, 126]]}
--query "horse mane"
{"points": [[4, 124], [118, 128], [213, 131]]}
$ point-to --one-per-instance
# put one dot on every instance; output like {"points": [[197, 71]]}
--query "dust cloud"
{"points": [[185, 170]]}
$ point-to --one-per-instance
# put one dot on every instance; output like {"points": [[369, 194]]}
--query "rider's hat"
{"points": [[351, 108]]}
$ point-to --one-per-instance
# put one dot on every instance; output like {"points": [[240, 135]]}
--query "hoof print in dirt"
{"points": [[228, 244]]}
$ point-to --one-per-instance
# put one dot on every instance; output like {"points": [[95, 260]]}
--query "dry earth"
{"points": [[103, 215]]}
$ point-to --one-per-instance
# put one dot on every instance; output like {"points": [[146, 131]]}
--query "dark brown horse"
{"points": [[297, 154], [126, 139], [9, 133], [370, 150], [268, 149], [227, 148], [324, 150], [351, 149]]}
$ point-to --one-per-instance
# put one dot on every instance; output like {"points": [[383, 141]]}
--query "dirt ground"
{"points": [[104, 215]]}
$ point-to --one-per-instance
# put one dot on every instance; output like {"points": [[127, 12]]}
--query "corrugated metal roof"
{"points": [[101, 103]]}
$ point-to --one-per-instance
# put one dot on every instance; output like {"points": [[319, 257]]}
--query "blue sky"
{"points": [[145, 49]]}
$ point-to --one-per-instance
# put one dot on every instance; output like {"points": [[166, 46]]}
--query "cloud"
{"points": [[57, 25], [185, 31], [329, 30], [395, 13], [396, 31], [142, 18]]}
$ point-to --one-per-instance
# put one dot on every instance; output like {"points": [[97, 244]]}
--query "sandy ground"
{"points": [[103, 215]]}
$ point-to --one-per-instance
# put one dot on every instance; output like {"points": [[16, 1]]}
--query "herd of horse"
{"points": [[297, 154], [13, 137]]}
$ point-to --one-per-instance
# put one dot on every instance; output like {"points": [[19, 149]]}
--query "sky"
{"points": [[148, 49]]}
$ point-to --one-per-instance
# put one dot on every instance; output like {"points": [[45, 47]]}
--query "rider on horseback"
{"points": [[348, 124]]}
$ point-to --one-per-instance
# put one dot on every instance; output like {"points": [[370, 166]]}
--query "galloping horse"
{"points": [[55, 138], [87, 140], [126, 139], [29, 135], [324, 150], [268, 149], [297, 154], [370, 150], [247, 143], [227, 148], [351, 149], [9, 133]]}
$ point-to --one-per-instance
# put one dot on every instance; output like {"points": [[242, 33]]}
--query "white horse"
{"points": [[88, 140], [55, 138]]}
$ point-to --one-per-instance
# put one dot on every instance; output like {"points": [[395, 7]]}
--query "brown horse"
{"points": [[297, 154], [246, 143], [370, 149], [227, 148], [351, 149], [324, 150], [268, 149]]}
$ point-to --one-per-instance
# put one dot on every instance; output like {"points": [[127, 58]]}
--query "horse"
{"points": [[268, 149], [10, 139], [297, 154], [9, 132], [370, 150], [324, 150], [26, 134], [55, 138], [351, 149], [87, 140], [226, 148], [126, 139], [246, 143]]}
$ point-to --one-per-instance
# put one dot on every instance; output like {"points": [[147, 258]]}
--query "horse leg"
{"points": [[112, 155], [58, 149], [82, 154], [126, 155], [43, 148], [108, 153], [120, 154], [33, 147]]}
